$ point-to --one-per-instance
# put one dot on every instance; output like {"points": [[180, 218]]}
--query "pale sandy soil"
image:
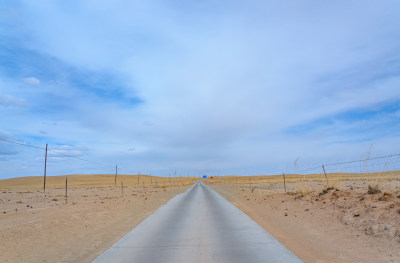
{"points": [[335, 226], [35, 227]]}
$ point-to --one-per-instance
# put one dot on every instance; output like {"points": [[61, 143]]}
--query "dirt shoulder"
{"points": [[335, 226], [41, 228]]}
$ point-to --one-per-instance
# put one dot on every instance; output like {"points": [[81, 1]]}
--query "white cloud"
{"points": [[7, 100], [5, 147], [75, 151], [32, 81], [5, 135]]}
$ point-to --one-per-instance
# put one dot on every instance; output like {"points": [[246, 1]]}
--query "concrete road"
{"points": [[198, 226]]}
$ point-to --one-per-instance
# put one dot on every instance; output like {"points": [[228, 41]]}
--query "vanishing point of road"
{"points": [[198, 226]]}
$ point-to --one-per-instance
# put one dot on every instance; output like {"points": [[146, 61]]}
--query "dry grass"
{"points": [[303, 188], [303, 183], [334, 178], [93, 180]]}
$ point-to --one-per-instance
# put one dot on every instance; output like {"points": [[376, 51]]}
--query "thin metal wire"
{"points": [[379, 158], [56, 152], [23, 144]]}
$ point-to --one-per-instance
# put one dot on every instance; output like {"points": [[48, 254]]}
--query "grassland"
{"points": [[92, 180]]}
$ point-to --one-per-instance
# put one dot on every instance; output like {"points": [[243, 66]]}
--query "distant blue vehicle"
{"points": [[204, 176]]}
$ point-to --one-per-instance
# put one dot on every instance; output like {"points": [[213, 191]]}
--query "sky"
{"points": [[197, 87]]}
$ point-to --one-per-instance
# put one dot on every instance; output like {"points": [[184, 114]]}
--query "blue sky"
{"points": [[221, 88]]}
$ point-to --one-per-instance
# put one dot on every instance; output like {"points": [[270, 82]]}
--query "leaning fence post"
{"points": [[45, 166], [284, 181], [326, 177]]}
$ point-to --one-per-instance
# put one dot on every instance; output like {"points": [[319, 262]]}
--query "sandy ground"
{"points": [[343, 225], [35, 227]]}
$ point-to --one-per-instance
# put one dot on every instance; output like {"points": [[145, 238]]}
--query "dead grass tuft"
{"points": [[386, 196], [303, 189], [373, 189]]}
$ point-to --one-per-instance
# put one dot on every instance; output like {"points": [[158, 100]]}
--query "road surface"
{"points": [[198, 226]]}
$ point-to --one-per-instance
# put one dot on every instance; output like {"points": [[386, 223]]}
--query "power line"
{"points": [[112, 166], [23, 144], [78, 158], [63, 154]]}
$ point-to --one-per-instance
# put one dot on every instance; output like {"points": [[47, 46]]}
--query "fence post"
{"points": [[175, 176], [284, 181], [116, 173], [138, 176], [45, 167], [326, 177], [66, 189], [122, 188]]}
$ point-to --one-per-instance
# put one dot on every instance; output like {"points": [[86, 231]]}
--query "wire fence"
{"points": [[106, 168], [372, 168], [366, 165], [111, 189], [372, 171], [36, 189]]}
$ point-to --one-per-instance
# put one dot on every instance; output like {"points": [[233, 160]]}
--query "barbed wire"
{"points": [[351, 162]]}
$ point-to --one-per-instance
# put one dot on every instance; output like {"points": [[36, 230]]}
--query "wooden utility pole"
{"points": [[45, 167]]}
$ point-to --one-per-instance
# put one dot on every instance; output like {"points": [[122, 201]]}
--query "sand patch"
{"points": [[336, 225], [38, 227]]}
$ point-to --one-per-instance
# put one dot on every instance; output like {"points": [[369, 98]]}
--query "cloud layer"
{"points": [[228, 87]]}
